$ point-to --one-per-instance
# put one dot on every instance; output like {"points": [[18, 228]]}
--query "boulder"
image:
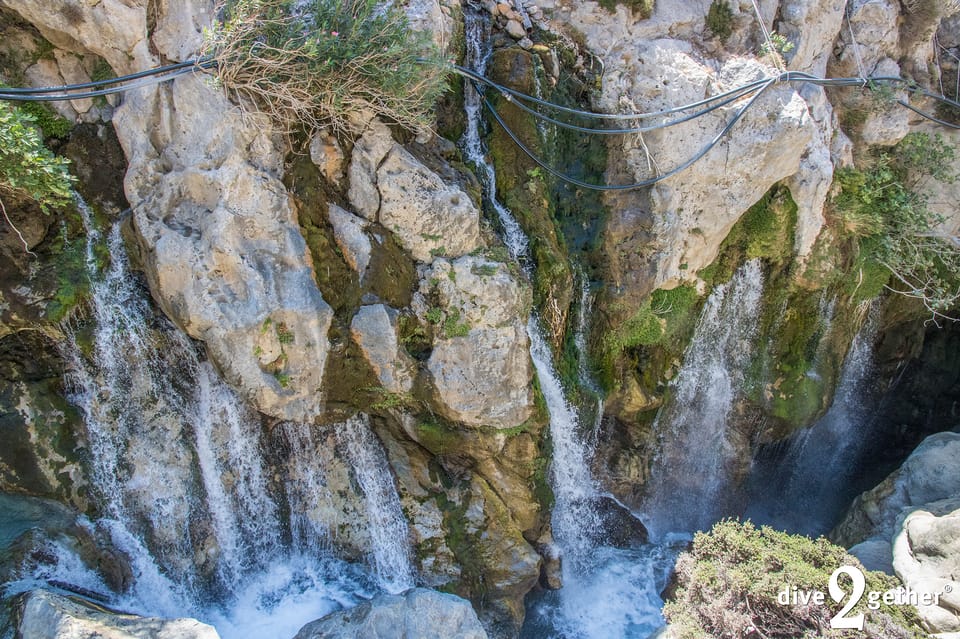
{"points": [[49, 616], [428, 216], [931, 473], [349, 233], [420, 613], [223, 252], [480, 361], [926, 557], [368, 152], [327, 154], [374, 329]]}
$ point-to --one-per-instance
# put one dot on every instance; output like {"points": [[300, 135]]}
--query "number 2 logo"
{"points": [[840, 620]]}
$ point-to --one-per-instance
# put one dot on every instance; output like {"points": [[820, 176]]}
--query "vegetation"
{"points": [[720, 19], [453, 327], [27, 167], [884, 207], [643, 7], [728, 584], [324, 62]]}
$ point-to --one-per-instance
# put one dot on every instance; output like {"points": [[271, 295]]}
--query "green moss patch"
{"points": [[727, 586]]}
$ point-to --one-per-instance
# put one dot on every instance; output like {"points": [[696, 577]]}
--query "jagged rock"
{"points": [[368, 152], [931, 473], [926, 557], [812, 26], [327, 154], [551, 572], [224, 255], [679, 229], [349, 231], [888, 123], [374, 329], [429, 17], [427, 215], [113, 29], [421, 613], [515, 30], [180, 24], [49, 616], [480, 361], [222, 248]]}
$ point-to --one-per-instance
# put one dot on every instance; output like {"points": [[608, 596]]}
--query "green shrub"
{"points": [[727, 586], [27, 167], [453, 327], [318, 63], [644, 8], [720, 19], [885, 207]]}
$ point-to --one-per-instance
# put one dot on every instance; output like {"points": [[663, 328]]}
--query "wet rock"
{"points": [[225, 262], [428, 216], [515, 30], [421, 613], [368, 152], [349, 231], [930, 474], [327, 154], [49, 616], [374, 329], [480, 362], [926, 557]]}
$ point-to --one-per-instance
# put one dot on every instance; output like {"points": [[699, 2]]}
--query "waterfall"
{"points": [[584, 307], [477, 34], [177, 469], [689, 474], [387, 523], [805, 484], [606, 591]]}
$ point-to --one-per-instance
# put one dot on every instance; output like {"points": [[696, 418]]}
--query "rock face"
{"points": [[419, 612], [374, 329], [685, 218], [926, 557], [221, 245], [913, 516], [930, 474], [480, 361], [49, 616], [428, 216]]}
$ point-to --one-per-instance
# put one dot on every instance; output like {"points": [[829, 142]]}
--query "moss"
{"points": [[720, 19], [452, 326], [438, 438], [530, 199], [52, 124], [728, 582], [765, 231], [644, 8]]}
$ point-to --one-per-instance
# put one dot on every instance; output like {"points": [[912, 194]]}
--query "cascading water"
{"points": [[607, 592], [804, 484], [176, 462], [388, 526], [695, 450]]}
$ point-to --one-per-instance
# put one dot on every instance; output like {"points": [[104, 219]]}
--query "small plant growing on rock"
{"points": [[323, 63], [720, 19]]}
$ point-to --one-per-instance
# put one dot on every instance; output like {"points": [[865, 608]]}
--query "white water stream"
{"points": [[178, 470]]}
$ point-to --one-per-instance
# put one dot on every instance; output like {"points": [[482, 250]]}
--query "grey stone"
{"points": [[419, 613], [427, 215], [50, 616], [374, 329], [349, 231]]}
